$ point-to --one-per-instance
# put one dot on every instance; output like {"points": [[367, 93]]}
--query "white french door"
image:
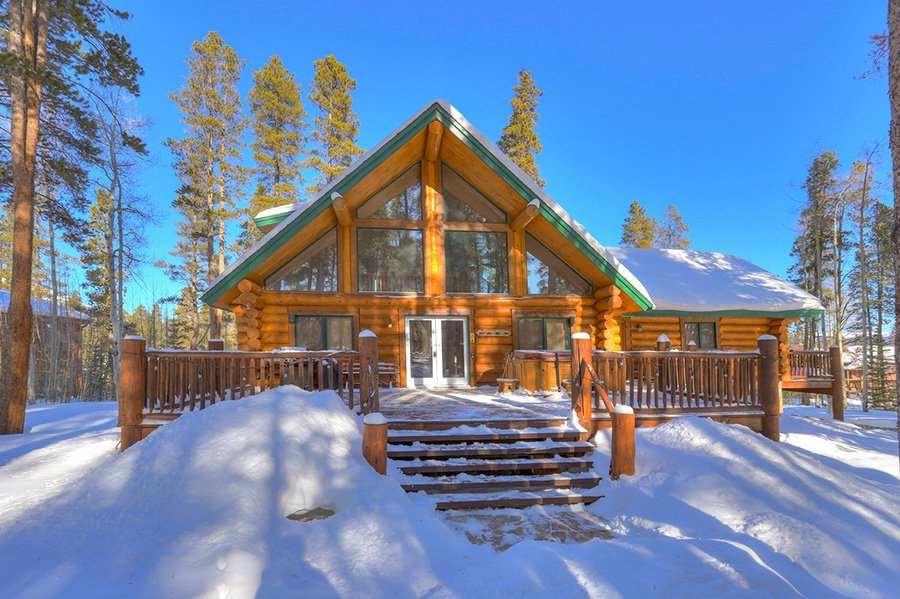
{"points": [[437, 351]]}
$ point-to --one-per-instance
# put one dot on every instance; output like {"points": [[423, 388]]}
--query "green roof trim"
{"points": [[802, 313], [273, 219], [433, 112]]}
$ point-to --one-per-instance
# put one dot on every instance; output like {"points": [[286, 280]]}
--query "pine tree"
{"points": [[208, 157], [277, 113], [519, 139], [336, 125], [672, 232], [54, 51], [638, 230]]}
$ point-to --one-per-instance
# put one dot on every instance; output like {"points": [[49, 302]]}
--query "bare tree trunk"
{"points": [[52, 387], [28, 41], [864, 281], [894, 94]]}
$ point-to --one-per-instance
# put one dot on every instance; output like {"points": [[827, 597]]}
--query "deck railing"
{"points": [[180, 381], [162, 384], [810, 364], [649, 379]]}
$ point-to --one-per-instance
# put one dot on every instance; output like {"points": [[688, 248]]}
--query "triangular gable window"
{"points": [[548, 275], [401, 199], [465, 204], [313, 269]]}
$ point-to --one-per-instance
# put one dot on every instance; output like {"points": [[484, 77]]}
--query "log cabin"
{"points": [[440, 245]]}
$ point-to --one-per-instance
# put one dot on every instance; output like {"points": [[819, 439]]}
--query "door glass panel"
{"points": [[420, 349], [453, 349]]}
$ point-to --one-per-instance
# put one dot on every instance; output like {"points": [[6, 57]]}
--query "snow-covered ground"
{"points": [[199, 510]]}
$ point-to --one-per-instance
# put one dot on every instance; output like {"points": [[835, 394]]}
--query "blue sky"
{"points": [[717, 107]]}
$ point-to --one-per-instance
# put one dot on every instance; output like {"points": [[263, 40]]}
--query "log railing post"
{"points": [[622, 452], [375, 441], [215, 368], [215, 345], [838, 387], [132, 389], [581, 386], [769, 386], [368, 372], [663, 343]]}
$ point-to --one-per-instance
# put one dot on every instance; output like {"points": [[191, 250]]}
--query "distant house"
{"points": [[454, 257], [68, 347]]}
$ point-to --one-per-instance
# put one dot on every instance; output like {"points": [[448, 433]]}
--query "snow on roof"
{"points": [[43, 308], [283, 209], [694, 281], [537, 192]]}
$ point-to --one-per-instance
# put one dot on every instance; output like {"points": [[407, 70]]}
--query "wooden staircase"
{"points": [[493, 464]]}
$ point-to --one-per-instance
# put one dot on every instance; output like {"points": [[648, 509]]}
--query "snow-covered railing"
{"points": [[158, 385], [810, 364]]}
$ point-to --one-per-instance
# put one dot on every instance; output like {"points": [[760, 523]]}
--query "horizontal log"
{"points": [[246, 285]]}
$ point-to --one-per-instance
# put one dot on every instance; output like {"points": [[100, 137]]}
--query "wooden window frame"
{"points": [[568, 315], [685, 320], [310, 313]]}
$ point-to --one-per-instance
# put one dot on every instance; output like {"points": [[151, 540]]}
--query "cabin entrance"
{"points": [[437, 351]]}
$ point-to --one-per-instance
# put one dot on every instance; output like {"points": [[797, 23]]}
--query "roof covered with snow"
{"points": [[695, 281], [458, 125], [42, 308]]}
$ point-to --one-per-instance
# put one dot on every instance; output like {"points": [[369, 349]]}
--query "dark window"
{"points": [[400, 200], [465, 204], [476, 262], [544, 333], [547, 274], [390, 260], [701, 333], [316, 333], [313, 269]]}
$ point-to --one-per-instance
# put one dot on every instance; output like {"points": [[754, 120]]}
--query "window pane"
{"points": [[557, 333], [453, 349], [308, 332], [707, 335], [691, 334], [465, 204], [390, 260], [476, 262], [531, 333], [339, 332], [420, 349], [547, 274], [313, 269], [400, 200]]}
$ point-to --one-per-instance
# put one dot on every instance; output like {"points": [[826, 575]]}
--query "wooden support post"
{"points": [[375, 441], [581, 389], [769, 386], [368, 372], [838, 386], [433, 141], [132, 388], [622, 452], [662, 343], [527, 215], [341, 211], [692, 346]]}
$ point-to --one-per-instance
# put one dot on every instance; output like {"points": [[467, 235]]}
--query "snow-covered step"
{"points": [[459, 466], [493, 450], [517, 499], [483, 484], [508, 423], [482, 434]]}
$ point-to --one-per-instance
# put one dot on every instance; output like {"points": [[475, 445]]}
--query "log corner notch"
{"points": [[609, 306], [132, 387], [433, 141], [246, 308], [769, 386]]}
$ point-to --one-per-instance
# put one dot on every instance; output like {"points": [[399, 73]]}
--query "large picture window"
{"points": [[701, 333], [465, 204], [401, 199], [476, 262], [313, 269], [317, 333], [390, 260], [543, 333], [549, 275]]}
